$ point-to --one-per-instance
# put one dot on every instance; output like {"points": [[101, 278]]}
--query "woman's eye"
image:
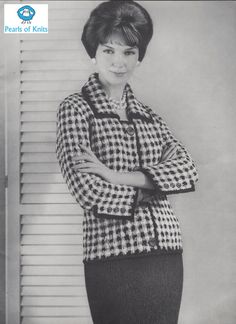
{"points": [[129, 53], [107, 51]]}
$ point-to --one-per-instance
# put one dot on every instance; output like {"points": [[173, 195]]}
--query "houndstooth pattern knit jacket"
{"points": [[115, 223]]}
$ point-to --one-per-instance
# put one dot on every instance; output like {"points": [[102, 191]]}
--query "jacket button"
{"points": [[109, 209], [172, 185], [152, 242], [178, 185], [166, 186], [116, 209], [122, 210], [130, 130]]}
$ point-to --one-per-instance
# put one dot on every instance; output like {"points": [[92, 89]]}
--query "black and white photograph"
{"points": [[117, 162]]}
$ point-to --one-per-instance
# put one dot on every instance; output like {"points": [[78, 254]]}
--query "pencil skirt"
{"points": [[137, 290]]}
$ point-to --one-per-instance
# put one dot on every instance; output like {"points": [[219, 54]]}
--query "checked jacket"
{"points": [[115, 223]]}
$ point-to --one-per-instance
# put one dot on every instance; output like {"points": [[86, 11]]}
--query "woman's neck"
{"points": [[113, 91]]}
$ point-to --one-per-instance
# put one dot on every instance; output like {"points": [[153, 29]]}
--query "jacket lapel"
{"points": [[96, 97]]}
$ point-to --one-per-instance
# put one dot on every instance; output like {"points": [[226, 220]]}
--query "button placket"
{"points": [[130, 130], [153, 241]]}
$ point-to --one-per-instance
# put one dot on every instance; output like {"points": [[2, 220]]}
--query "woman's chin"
{"points": [[118, 78]]}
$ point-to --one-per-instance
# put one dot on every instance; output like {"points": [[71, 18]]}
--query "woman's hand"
{"points": [[170, 152], [87, 162], [145, 195]]}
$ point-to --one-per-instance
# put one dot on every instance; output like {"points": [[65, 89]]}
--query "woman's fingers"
{"points": [[89, 168], [170, 152], [86, 150], [84, 165], [170, 149], [83, 156]]}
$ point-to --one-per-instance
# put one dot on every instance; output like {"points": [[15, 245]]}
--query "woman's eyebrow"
{"points": [[107, 46], [128, 48]]}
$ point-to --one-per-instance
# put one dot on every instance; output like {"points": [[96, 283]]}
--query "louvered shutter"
{"points": [[51, 66]]}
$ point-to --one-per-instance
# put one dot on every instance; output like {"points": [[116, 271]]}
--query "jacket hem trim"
{"points": [[135, 255]]}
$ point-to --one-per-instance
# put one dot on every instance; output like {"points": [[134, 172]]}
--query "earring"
{"points": [[138, 63], [93, 60]]}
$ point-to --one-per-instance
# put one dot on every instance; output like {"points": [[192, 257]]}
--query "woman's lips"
{"points": [[119, 74]]}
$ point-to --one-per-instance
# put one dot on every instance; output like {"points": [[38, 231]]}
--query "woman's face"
{"points": [[116, 61]]}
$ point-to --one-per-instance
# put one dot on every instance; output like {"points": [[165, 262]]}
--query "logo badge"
{"points": [[27, 19], [26, 13]]}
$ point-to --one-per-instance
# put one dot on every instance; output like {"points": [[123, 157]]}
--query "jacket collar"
{"points": [[98, 101]]}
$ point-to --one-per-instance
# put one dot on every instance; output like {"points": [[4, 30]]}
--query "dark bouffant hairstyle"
{"points": [[127, 18]]}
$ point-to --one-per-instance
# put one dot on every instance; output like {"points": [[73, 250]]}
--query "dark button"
{"points": [[116, 209], [166, 186], [172, 185], [123, 210], [130, 130], [152, 242], [109, 209], [178, 185]]}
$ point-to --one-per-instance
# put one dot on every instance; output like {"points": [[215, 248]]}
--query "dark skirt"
{"points": [[137, 290]]}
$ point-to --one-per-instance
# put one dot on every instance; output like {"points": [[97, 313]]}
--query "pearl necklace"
{"points": [[118, 104]]}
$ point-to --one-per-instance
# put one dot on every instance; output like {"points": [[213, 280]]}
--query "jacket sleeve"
{"points": [[90, 191], [174, 175]]}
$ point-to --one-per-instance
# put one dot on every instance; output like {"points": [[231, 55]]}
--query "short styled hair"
{"points": [[126, 18]]}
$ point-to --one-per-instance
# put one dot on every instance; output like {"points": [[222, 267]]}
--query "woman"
{"points": [[120, 162]]}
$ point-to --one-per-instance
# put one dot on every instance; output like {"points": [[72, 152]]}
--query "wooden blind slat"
{"points": [[44, 45], [47, 199], [44, 188], [51, 219], [49, 270], [38, 127], [55, 311], [50, 250], [53, 209], [54, 301], [73, 86], [48, 260], [42, 178], [52, 281], [40, 168], [62, 55], [53, 35], [38, 106], [55, 75], [54, 65], [56, 320], [52, 239], [52, 229], [38, 116], [38, 147], [44, 96], [39, 137], [53, 291]]}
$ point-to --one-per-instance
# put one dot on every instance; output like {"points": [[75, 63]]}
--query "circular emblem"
{"points": [[26, 13]]}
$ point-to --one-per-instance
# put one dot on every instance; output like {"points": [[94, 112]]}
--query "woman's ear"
{"points": [[94, 60]]}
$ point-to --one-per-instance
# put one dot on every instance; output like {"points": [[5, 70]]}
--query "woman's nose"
{"points": [[118, 60]]}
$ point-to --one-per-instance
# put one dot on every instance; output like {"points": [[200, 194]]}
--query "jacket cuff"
{"points": [[124, 210], [168, 186]]}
